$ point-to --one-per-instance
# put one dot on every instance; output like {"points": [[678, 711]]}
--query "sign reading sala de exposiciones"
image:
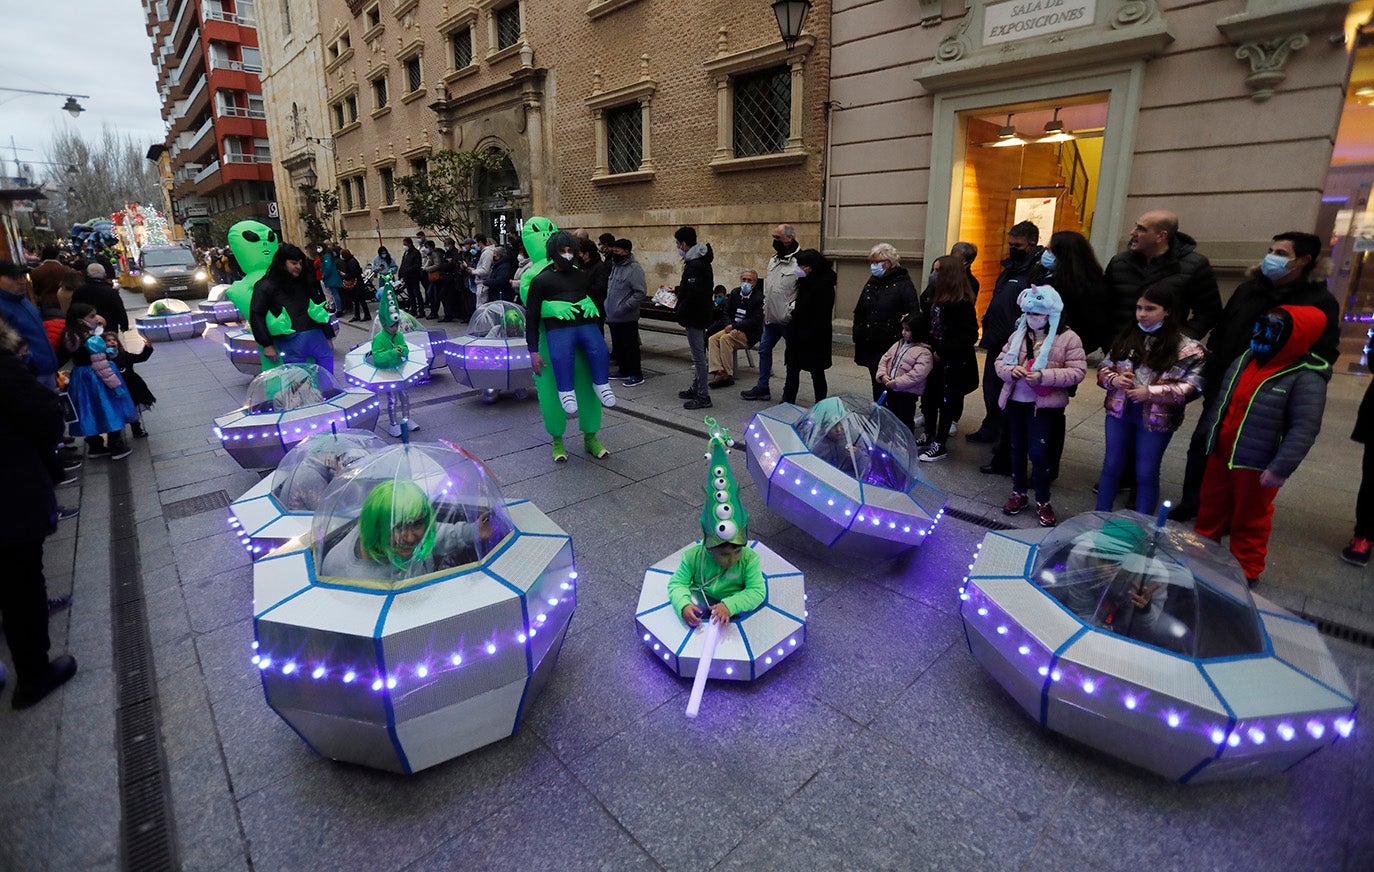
{"points": [[1021, 19]]}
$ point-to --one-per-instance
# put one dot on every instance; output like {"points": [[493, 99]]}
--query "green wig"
{"points": [[392, 504], [723, 518]]}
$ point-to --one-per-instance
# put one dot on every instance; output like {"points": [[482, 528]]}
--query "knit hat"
{"points": [[1035, 300], [723, 518]]}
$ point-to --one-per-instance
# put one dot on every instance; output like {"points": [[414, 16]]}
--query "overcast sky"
{"points": [[95, 47]]}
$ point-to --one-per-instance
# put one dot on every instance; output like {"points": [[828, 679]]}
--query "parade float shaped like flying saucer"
{"points": [[282, 505], [420, 618], [1207, 681], [430, 341], [492, 357], [846, 473], [219, 309], [167, 320], [360, 372], [286, 404]]}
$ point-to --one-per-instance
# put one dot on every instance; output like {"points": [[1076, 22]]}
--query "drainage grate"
{"points": [[146, 838], [978, 520], [1340, 631], [195, 505]]}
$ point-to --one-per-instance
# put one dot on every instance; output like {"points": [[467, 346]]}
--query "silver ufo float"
{"points": [[492, 357]]}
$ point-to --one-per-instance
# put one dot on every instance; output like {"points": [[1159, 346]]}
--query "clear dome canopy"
{"points": [[498, 320], [301, 478], [290, 386], [407, 513], [1167, 587], [168, 306], [405, 322], [861, 439]]}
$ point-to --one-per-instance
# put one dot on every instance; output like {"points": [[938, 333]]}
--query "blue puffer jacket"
{"points": [[1284, 414]]}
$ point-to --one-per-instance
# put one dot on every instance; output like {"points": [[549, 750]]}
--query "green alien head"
{"points": [[253, 244], [535, 235]]}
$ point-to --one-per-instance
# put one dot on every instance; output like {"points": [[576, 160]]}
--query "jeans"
{"points": [[307, 346], [772, 335], [625, 341], [563, 344], [1130, 446], [432, 296], [24, 608], [1030, 436], [696, 341], [337, 294]]}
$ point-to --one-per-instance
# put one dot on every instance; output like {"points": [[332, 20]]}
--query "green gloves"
{"points": [[585, 307]]}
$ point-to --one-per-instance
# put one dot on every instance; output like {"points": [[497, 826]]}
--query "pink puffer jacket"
{"points": [[1067, 366], [912, 370]]}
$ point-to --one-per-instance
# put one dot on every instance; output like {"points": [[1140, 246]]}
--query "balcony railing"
{"points": [[237, 158], [181, 68], [239, 112], [195, 92], [201, 131], [236, 66], [207, 172], [209, 14]]}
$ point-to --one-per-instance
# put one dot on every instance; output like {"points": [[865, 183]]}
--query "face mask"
{"points": [[746, 288], [719, 301], [779, 246], [97, 330], [1036, 321], [1152, 328], [1269, 336], [566, 255], [800, 273], [1047, 259], [1274, 266], [877, 269], [682, 255], [1017, 255]]}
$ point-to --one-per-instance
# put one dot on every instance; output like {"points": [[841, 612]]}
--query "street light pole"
{"points": [[71, 107]]}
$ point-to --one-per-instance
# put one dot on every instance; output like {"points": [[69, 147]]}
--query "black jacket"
{"points": [[410, 263], [1182, 269], [953, 330], [566, 286], [498, 282], [878, 314], [106, 301], [270, 296], [1087, 310], [744, 314], [999, 321], [1231, 336], [30, 428], [810, 332], [694, 309]]}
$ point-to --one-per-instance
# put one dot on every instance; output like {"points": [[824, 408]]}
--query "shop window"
{"points": [[624, 139], [507, 26], [762, 116]]}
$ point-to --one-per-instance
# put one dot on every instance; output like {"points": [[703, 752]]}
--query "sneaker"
{"points": [[632, 381], [758, 392], [568, 400], [32, 692], [58, 603], [605, 394], [71, 479], [1357, 552], [687, 394], [923, 441], [65, 514], [953, 429], [935, 452], [119, 452], [723, 382], [1045, 512], [139, 432], [1015, 503], [97, 451], [71, 467], [702, 402]]}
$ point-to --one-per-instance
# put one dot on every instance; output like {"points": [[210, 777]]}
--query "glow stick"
{"points": [[708, 652]]}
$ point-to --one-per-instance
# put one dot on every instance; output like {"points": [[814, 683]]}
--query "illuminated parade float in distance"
{"points": [[219, 309], [282, 505], [846, 473], [1146, 643], [492, 357], [167, 320], [420, 618], [286, 404]]}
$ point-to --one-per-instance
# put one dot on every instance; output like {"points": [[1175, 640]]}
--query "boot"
{"points": [[31, 690], [139, 432], [594, 446]]}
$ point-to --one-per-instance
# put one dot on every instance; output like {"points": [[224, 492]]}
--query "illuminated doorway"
{"points": [[1032, 161]]}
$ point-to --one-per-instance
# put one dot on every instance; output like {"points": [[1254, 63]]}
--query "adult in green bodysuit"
{"points": [[535, 236], [253, 244]]}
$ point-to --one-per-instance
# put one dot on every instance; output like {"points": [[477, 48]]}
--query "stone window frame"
{"points": [[373, 76], [375, 28], [340, 105], [488, 10], [355, 198], [723, 70], [448, 29], [402, 7], [641, 92], [385, 166], [340, 55], [414, 51], [598, 8]]}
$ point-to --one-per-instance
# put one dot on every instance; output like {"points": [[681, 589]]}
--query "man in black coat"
{"points": [[412, 277], [999, 322], [695, 312], [1158, 255], [30, 427], [1287, 277], [99, 292]]}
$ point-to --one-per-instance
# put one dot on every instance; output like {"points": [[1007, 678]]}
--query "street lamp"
{"points": [[72, 107], [791, 15], [310, 177]]}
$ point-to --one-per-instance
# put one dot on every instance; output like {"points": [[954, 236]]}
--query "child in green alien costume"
{"points": [[253, 244], [720, 575], [535, 236], [389, 348]]}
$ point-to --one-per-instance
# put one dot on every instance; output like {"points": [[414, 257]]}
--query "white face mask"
{"points": [[566, 255], [801, 273]]}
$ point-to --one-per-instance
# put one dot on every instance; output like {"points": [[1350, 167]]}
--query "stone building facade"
{"points": [[1224, 111], [632, 116], [296, 101]]}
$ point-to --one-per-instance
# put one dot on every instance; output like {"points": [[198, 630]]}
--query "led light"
{"points": [[1023, 650], [422, 671], [729, 670], [1056, 675], [768, 660], [521, 638], [1172, 719], [646, 637], [255, 646], [982, 611], [665, 655], [963, 596], [377, 685], [541, 617], [456, 659], [1345, 726], [1233, 740], [288, 669], [1131, 702], [1218, 736], [553, 602], [781, 652], [792, 642], [255, 659], [1316, 729], [1001, 631], [1089, 686], [491, 648], [1043, 670], [349, 676], [572, 574], [390, 683]]}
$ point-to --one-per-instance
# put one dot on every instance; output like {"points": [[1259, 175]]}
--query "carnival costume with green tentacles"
{"points": [[721, 568], [389, 348], [254, 244], [535, 236]]}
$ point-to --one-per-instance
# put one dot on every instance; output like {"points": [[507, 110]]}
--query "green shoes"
{"points": [[560, 454], [594, 447]]}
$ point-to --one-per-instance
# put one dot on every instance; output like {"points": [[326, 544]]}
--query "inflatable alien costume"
{"points": [[254, 244], [535, 236]]}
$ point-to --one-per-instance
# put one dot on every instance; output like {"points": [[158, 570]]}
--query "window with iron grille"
{"points": [[624, 138], [338, 116], [508, 26], [763, 111], [347, 188], [351, 107], [362, 192], [388, 186], [419, 166], [462, 48], [414, 75], [379, 91]]}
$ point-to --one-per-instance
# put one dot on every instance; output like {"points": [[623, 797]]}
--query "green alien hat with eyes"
{"points": [[723, 518]]}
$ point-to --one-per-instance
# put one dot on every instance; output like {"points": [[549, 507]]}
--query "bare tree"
{"points": [[111, 170]]}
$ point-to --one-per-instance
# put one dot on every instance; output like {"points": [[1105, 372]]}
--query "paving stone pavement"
{"points": [[880, 745]]}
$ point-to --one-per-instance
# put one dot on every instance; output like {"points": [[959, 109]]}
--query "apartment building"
{"points": [[207, 58]]}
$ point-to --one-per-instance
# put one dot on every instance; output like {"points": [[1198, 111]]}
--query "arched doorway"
{"points": [[499, 193]]}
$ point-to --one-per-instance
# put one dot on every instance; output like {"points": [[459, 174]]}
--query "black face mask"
{"points": [[1018, 255], [779, 246]]}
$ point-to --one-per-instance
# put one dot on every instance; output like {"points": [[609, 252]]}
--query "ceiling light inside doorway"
{"points": [[1054, 130], [1007, 135]]}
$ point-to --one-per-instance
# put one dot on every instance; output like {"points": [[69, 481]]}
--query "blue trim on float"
{"points": [[1315, 680], [654, 609], [380, 651], [767, 604], [1049, 674], [749, 651], [1191, 773], [281, 602]]}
